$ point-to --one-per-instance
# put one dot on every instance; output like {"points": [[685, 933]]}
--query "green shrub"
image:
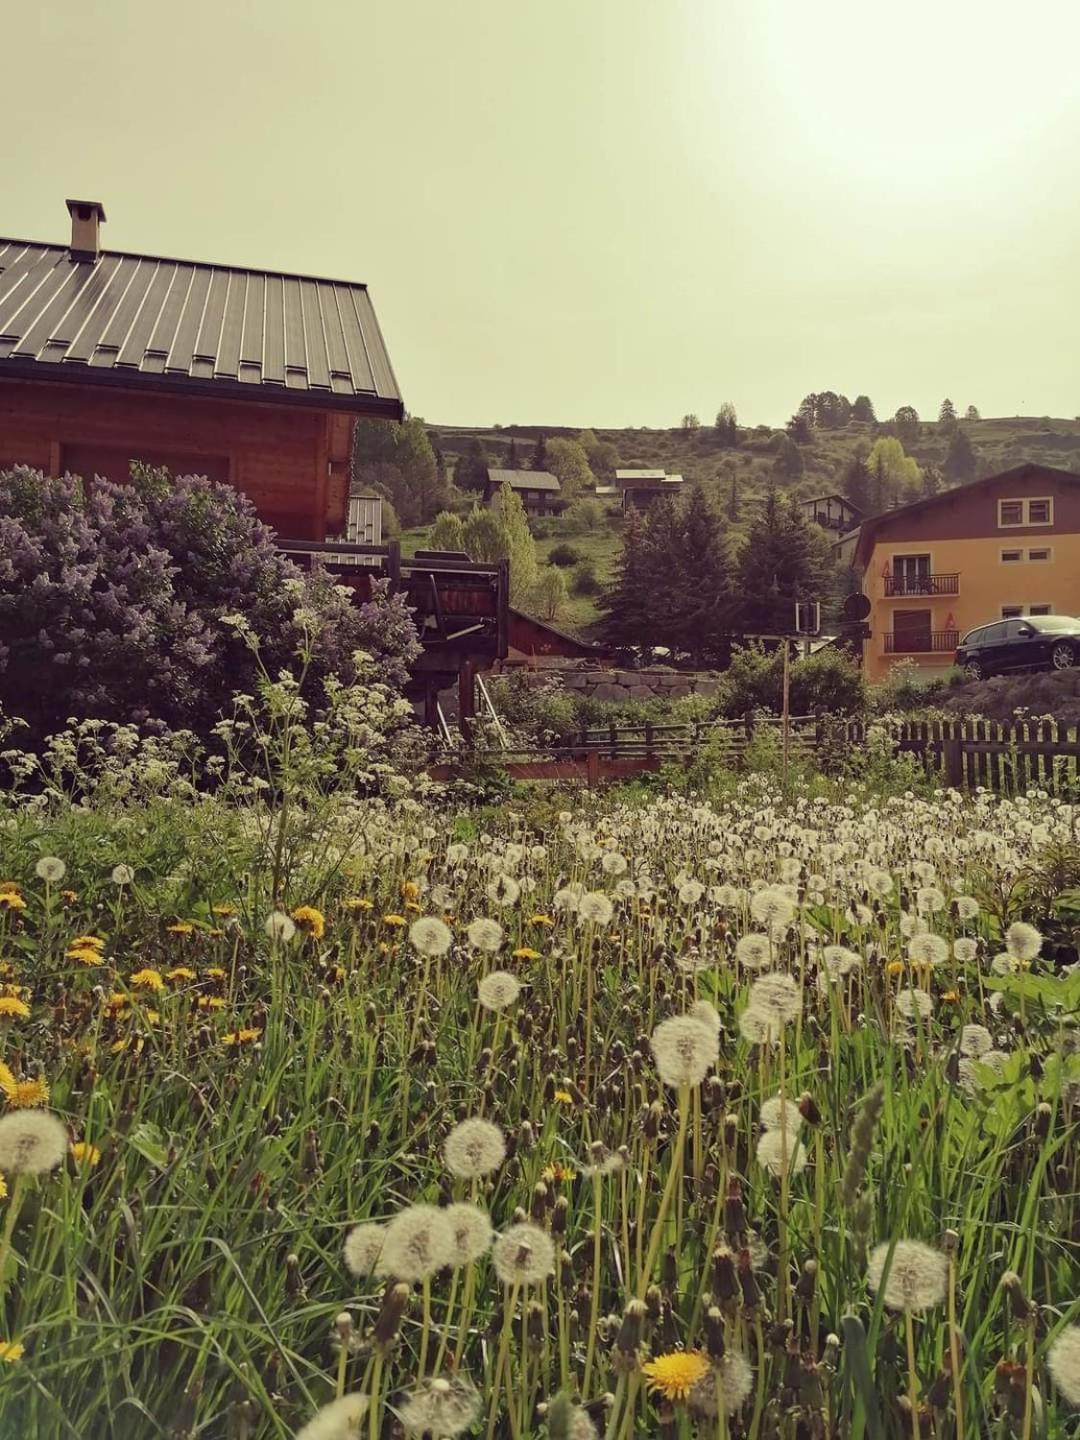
{"points": [[564, 555], [585, 580]]}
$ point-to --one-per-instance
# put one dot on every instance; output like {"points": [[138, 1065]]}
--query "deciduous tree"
{"points": [[567, 461], [906, 424]]}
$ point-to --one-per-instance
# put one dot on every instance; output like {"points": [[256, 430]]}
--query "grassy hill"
{"points": [[695, 454]]}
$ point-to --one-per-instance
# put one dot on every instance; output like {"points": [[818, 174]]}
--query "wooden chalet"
{"points": [[253, 378], [538, 490], [832, 512]]}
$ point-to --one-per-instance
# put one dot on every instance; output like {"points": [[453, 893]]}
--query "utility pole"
{"points": [[786, 712]]}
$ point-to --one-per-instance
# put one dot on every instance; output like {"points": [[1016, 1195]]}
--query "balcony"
{"points": [[922, 642], [921, 585]]}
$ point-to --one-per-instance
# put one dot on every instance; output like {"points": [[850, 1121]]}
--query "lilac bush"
{"points": [[112, 598]]}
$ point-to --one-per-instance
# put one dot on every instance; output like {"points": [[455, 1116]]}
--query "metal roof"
{"points": [[640, 474], [182, 326], [524, 479]]}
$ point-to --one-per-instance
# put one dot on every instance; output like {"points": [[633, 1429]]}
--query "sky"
{"points": [[597, 212]]}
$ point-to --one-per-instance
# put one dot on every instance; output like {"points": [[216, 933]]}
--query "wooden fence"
{"points": [[1006, 757]]}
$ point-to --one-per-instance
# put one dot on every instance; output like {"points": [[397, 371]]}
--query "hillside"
{"points": [[751, 467]]}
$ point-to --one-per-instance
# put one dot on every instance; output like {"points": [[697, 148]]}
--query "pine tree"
{"points": [[625, 605], [863, 410], [780, 565], [512, 461], [972, 413], [856, 483], [539, 455], [472, 467], [947, 414], [699, 608], [960, 459]]}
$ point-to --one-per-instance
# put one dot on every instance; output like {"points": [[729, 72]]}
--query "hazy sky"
{"points": [[602, 212]]}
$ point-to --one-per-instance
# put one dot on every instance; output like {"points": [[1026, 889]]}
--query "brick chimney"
{"points": [[87, 217]]}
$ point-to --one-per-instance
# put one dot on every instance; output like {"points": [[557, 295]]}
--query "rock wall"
{"points": [[605, 684]]}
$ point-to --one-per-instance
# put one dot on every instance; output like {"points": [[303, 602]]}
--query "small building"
{"points": [[642, 488], [252, 377], [538, 489], [832, 512], [1002, 546], [531, 639]]}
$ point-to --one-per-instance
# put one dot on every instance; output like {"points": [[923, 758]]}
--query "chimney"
{"points": [[87, 216]]}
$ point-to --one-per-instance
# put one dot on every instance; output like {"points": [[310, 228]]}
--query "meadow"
{"points": [[622, 1116]]}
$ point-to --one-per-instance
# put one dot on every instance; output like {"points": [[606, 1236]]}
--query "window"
{"points": [[1013, 513], [1041, 554], [1040, 609], [1009, 611], [1011, 557]]}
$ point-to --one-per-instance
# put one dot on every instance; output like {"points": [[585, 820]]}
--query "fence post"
{"points": [[648, 740], [592, 769], [952, 758], [748, 724], [613, 738]]}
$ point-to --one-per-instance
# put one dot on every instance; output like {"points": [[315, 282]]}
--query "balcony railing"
{"points": [[921, 642], [922, 585]]}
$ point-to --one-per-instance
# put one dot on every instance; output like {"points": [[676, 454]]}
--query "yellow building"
{"points": [[1005, 545]]}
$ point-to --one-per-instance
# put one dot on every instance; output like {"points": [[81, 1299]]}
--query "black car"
{"points": [[1029, 642]]}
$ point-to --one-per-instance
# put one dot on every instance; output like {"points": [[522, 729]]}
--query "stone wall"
{"points": [[607, 684]]}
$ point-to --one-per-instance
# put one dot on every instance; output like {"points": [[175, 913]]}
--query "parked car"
{"points": [[1030, 642]]}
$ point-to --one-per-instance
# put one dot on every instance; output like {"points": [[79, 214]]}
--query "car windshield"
{"points": [[1050, 623]]}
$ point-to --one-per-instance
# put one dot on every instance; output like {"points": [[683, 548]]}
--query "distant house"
{"points": [[251, 377], [642, 488], [996, 549], [832, 512], [539, 490]]}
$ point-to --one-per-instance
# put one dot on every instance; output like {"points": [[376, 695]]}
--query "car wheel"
{"points": [[974, 670], [1063, 656]]}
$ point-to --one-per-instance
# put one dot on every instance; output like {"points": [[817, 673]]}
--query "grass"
{"points": [[254, 1095]]}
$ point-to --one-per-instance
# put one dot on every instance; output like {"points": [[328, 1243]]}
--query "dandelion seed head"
{"points": [[498, 990], [684, 1048], [32, 1142], [440, 1407], [773, 908], [775, 1149], [965, 949], [912, 1003], [340, 1420], [523, 1255], [915, 1279], [774, 1110], [1022, 941], [975, 1040], [775, 995], [122, 875], [475, 1147], [736, 1379], [363, 1246], [51, 869], [429, 937], [418, 1241], [280, 926], [471, 1230], [1063, 1362], [485, 935], [753, 951], [967, 907], [595, 908]]}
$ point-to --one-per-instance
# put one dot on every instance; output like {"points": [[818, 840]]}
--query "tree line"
{"points": [[681, 583]]}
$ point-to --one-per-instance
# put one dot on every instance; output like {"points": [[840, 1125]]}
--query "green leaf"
{"points": [[1050, 989], [148, 1141], [857, 1365]]}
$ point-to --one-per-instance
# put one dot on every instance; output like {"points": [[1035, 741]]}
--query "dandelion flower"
{"points": [[340, 1420], [1063, 1362], [429, 937], [776, 996], [684, 1048], [11, 1007], [772, 907], [418, 1241], [975, 1040], [965, 949], [915, 1279], [147, 980], [474, 1148], [472, 1232], [613, 863], [12, 900], [22, 1094], [674, 1375], [758, 1027], [310, 920], [280, 927], [31, 1142], [912, 1003], [10, 1351], [83, 1153], [595, 908], [523, 1255], [51, 869], [967, 907], [440, 1407], [704, 1011], [775, 1149], [928, 950], [691, 892], [363, 1246], [504, 890], [839, 961], [485, 935], [122, 875], [1023, 942], [498, 990]]}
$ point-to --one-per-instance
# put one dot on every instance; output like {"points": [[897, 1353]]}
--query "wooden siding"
{"points": [[292, 464]]}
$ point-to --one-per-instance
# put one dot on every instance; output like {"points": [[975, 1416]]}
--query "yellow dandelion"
{"points": [[23, 1094], [413, 908], [395, 921], [135, 1045], [541, 920], [3, 1188], [10, 1008], [225, 910], [240, 1037], [563, 1097], [181, 927], [557, 1172], [211, 1002], [524, 953], [951, 997], [147, 980], [674, 1375], [83, 1153], [180, 972], [311, 920], [894, 967], [215, 933], [409, 890], [152, 1017], [339, 972], [116, 1001], [11, 900], [10, 1351], [70, 896], [6, 968], [357, 902], [92, 942], [85, 955], [214, 972]]}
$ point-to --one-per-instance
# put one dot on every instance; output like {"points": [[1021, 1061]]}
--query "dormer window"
{"points": [[1012, 514]]}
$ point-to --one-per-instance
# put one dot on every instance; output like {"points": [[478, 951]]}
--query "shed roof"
{"points": [[631, 475], [181, 325], [525, 479]]}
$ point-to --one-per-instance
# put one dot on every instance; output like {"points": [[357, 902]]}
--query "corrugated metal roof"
{"points": [[182, 326], [524, 479], [640, 474]]}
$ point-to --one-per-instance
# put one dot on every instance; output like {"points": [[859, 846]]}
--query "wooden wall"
{"points": [[291, 462]]}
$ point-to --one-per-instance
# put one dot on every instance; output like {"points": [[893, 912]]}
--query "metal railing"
{"points": [[921, 642], [922, 585]]}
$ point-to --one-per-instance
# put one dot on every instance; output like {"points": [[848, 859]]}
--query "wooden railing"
{"points": [[921, 642], [922, 585], [964, 754]]}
